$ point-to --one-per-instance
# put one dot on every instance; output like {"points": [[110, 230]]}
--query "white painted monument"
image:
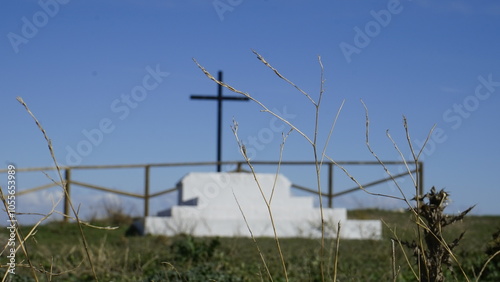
{"points": [[208, 206]]}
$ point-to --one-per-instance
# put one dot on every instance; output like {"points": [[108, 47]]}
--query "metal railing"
{"points": [[147, 195]]}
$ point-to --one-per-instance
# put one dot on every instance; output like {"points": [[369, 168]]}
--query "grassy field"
{"points": [[56, 248]]}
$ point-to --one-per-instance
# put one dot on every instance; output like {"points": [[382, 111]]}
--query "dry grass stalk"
{"points": [[266, 201], [486, 264], [312, 140], [51, 150], [395, 271], [336, 253], [401, 247], [253, 239]]}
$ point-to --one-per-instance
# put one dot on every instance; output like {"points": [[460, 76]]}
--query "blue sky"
{"points": [[125, 69]]}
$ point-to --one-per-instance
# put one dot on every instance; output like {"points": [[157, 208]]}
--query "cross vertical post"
{"points": [[219, 99], [219, 122]]}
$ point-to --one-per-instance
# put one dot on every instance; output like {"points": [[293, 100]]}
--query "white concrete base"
{"points": [[208, 206]]}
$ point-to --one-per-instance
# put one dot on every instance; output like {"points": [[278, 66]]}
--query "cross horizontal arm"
{"points": [[201, 97]]}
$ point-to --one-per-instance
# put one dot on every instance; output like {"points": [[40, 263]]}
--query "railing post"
{"points": [[67, 194], [420, 178], [238, 168], [330, 185], [146, 191]]}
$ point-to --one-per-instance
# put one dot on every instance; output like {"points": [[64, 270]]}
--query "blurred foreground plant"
{"points": [[435, 253]]}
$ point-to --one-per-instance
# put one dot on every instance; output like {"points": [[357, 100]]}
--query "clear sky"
{"points": [[118, 75]]}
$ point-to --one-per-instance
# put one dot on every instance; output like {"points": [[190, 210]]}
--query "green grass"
{"points": [[57, 246]]}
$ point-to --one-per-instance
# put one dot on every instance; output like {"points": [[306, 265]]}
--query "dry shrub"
{"points": [[434, 253]]}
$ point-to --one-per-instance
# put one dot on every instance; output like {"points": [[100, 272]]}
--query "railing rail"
{"points": [[147, 195]]}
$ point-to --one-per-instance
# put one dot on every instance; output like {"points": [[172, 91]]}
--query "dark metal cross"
{"points": [[219, 99]]}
